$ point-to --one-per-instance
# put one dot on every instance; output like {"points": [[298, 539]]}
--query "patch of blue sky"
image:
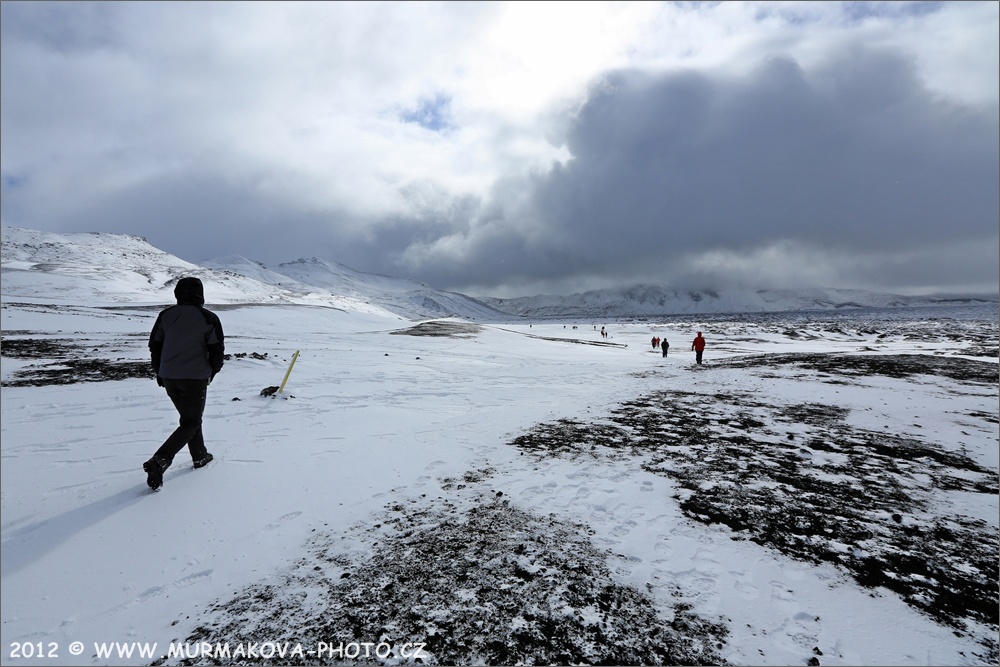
{"points": [[13, 181], [433, 113]]}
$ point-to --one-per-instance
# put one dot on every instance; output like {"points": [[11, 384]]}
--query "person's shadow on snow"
{"points": [[26, 544]]}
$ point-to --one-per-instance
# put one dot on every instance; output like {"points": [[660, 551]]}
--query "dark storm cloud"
{"points": [[872, 161], [856, 157], [198, 216]]}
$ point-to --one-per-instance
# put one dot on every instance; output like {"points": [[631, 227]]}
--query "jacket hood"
{"points": [[190, 291]]}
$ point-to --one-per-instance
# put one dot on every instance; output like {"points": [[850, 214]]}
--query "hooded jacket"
{"points": [[187, 342]]}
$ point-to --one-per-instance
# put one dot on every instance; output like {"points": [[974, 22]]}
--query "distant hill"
{"points": [[652, 300], [97, 269], [397, 295]]}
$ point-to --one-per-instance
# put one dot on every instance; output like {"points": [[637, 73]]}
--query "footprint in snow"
{"points": [[281, 520]]}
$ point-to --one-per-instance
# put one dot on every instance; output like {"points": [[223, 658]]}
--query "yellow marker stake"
{"points": [[288, 372]]}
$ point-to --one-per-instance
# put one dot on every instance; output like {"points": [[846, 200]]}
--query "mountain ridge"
{"points": [[644, 300], [119, 268]]}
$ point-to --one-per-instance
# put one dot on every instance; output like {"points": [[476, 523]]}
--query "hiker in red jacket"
{"points": [[698, 346]]}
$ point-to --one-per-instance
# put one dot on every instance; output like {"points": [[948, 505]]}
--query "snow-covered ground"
{"points": [[482, 489], [504, 492]]}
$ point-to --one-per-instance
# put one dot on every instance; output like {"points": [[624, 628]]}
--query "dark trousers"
{"points": [[697, 355], [188, 397], [664, 351]]}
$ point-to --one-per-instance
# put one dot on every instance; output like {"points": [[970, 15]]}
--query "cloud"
{"points": [[670, 172], [499, 147]]}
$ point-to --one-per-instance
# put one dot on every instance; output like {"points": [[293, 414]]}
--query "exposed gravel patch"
{"points": [[859, 499], [478, 582], [69, 361], [442, 329], [77, 360], [896, 366]]}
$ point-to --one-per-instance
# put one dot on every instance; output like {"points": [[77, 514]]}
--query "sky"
{"points": [[512, 149]]}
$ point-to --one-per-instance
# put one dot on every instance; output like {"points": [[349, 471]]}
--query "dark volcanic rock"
{"points": [[855, 498], [491, 584]]}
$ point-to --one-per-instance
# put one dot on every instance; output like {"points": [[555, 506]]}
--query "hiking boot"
{"points": [[154, 472], [204, 461]]}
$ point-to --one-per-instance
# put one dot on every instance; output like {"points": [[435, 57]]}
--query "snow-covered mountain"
{"points": [[638, 301], [398, 295], [101, 269], [113, 268]]}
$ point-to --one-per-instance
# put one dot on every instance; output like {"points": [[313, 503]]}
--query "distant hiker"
{"points": [[698, 346], [186, 348], [664, 345], [654, 342]]}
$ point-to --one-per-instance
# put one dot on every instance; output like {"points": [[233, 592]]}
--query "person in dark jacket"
{"points": [[186, 348], [664, 345]]}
